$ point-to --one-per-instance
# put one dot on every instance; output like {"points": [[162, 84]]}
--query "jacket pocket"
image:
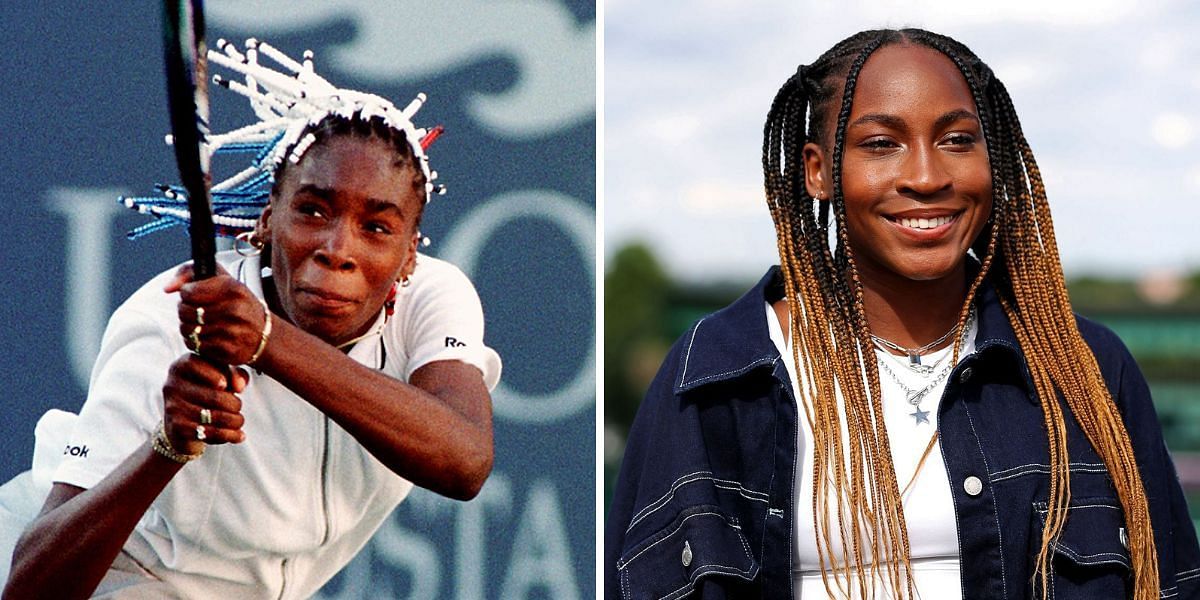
{"points": [[1090, 559], [701, 543]]}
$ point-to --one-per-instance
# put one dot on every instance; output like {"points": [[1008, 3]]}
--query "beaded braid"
{"points": [[296, 108], [831, 336]]}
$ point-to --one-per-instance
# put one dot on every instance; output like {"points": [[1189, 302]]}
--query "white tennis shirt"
{"points": [[280, 514]]}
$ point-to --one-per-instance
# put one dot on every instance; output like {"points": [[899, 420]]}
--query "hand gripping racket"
{"points": [[187, 99]]}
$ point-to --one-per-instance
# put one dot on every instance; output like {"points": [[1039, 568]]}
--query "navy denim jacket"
{"points": [[704, 501]]}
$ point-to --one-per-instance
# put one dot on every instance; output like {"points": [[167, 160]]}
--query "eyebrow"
{"points": [[378, 206], [374, 205], [895, 122], [315, 190]]}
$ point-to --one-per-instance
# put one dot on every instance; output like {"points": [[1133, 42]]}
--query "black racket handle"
{"points": [[187, 100]]}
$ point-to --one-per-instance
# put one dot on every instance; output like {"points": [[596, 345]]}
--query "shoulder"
{"points": [[431, 270], [434, 279], [1112, 355], [728, 343]]}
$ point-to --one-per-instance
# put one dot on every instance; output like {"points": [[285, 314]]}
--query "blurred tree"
{"points": [[635, 303]]}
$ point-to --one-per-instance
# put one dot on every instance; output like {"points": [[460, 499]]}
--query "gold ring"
{"points": [[205, 416], [200, 433], [194, 338]]}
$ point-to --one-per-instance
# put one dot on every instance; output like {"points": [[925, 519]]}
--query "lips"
{"points": [[325, 299]]}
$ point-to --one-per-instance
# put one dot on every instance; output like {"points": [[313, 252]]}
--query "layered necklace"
{"points": [[932, 374]]}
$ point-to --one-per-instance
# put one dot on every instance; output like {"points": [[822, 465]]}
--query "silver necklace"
{"points": [[915, 396], [914, 354]]}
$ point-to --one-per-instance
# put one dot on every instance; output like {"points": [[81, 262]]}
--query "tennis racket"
{"points": [[187, 99]]}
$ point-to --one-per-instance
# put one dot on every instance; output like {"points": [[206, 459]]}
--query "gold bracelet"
{"points": [[266, 333], [162, 445]]}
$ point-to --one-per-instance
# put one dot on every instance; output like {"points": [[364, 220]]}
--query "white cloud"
{"points": [[723, 199], [1173, 130], [1025, 72], [674, 129], [1194, 180], [952, 13]]}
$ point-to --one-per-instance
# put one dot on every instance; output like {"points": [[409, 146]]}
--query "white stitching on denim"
{"points": [[995, 509], [740, 369], [789, 391], [670, 491], [1074, 464], [1040, 468], [621, 564], [624, 583], [729, 484], [1091, 559], [1043, 507], [697, 574], [1188, 574], [688, 356], [1053, 583]]}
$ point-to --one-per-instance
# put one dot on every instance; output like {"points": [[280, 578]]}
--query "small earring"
{"points": [[405, 282], [247, 243], [389, 305]]}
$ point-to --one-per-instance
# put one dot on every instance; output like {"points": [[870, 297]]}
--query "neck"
{"points": [[913, 313]]}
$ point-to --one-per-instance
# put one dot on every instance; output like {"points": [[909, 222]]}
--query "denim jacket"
{"points": [[703, 505]]}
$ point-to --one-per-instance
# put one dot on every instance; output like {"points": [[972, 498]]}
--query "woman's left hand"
{"points": [[219, 317]]}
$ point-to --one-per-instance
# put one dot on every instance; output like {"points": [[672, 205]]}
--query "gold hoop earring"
{"points": [[247, 244]]}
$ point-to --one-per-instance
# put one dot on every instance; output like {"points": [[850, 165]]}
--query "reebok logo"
{"points": [[80, 451], [454, 343]]}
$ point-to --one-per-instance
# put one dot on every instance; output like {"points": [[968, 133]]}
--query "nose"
{"points": [[336, 249], [922, 173]]}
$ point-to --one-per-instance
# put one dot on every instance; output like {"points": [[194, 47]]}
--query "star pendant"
{"points": [[922, 416]]}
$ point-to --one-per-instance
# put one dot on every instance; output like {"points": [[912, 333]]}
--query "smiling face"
{"points": [[342, 228], [915, 173]]}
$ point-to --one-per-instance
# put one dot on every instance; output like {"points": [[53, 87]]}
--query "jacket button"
{"points": [[965, 375], [972, 485], [687, 554]]}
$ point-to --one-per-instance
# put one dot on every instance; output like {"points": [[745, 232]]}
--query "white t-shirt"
{"points": [[281, 513], [928, 503]]}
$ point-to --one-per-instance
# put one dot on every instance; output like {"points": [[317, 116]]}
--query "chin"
{"points": [[932, 268]]}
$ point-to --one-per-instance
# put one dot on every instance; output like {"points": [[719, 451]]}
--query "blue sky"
{"points": [[1108, 94]]}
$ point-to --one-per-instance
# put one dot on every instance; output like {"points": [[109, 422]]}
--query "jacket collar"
{"points": [[734, 340]]}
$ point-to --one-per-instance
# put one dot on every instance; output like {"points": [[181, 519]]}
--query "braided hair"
{"points": [[295, 108], [854, 478]]}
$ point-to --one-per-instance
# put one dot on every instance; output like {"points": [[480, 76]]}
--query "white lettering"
{"points": [[89, 214], [463, 246], [471, 538], [541, 556], [411, 553]]}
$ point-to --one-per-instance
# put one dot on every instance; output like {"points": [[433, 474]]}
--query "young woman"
{"points": [[907, 406], [201, 480]]}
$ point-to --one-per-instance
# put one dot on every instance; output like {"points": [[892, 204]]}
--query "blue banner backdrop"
{"points": [[83, 120]]}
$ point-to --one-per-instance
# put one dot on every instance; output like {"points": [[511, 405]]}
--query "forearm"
{"points": [[412, 429], [70, 546]]}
